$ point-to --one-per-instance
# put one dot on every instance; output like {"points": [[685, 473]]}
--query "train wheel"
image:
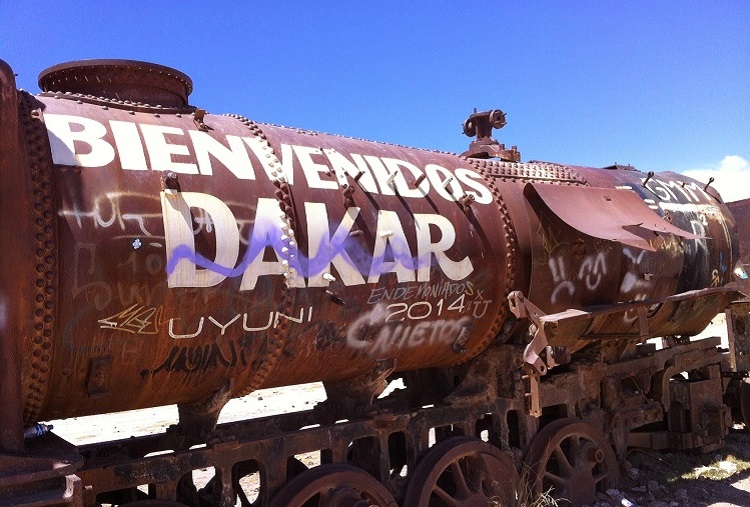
{"points": [[154, 503], [463, 472], [574, 459], [745, 401], [333, 486]]}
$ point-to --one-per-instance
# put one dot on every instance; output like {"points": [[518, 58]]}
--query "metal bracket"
{"points": [[198, 117], [534, 365], [522, 308], [534, 405]]}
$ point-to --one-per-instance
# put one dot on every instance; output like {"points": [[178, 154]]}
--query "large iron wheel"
{"points": [[333, 486], [154, 503], [574, 460], [463, 472]]}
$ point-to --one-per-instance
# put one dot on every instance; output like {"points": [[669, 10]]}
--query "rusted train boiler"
{"points": [[157, 254]]}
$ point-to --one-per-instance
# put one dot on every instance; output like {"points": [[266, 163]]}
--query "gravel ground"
{"points": [[681, 480]]}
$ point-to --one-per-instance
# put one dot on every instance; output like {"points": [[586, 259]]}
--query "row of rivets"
{"points": [[106, 102], [274, 339], [35, 390]]}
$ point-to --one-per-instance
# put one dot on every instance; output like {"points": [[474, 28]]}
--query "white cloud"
{"points": [[731, 177]]}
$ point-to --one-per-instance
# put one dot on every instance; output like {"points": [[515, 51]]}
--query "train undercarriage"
{"points": [[477, 434]]}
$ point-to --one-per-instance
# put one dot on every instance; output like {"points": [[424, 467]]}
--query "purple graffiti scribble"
{"points": [[327, 251]]}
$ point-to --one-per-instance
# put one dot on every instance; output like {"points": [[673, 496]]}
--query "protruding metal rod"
{"points": [[648, 177], [391, 178]]}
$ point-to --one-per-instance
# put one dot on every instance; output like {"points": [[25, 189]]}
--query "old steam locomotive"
{"points": [[156, 254]]}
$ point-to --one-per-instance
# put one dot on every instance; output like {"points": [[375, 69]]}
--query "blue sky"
{"points": [[660, 85]]}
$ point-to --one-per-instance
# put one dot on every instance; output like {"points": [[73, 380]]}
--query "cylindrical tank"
{"points": [[179, 251], [176, 252]]}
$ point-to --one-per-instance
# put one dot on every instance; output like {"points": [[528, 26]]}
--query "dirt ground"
{"points": [[654, 479], [650, 479]]}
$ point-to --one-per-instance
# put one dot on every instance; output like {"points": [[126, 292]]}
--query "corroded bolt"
{"points": [[171, 180], [466, 200], [458, 348], [391, 177], [446, 184], [336, 298], [594, 455]]}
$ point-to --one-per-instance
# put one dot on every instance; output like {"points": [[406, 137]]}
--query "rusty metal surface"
{"points": [[44, 474], [264, 445], [464, 471], [575, 459], [481, 125], [343, 298], [39, 350], [738, 334], [611, 214], [128, 81], [667, 317], [576, 270], [334, 485], [741, 213], [691, 206], [13, 298], [366, 254], [183, 257], [267, 445], [405, 305]]}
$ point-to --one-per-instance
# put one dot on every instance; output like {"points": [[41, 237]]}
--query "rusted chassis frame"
{"points": [[400, 431]]}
